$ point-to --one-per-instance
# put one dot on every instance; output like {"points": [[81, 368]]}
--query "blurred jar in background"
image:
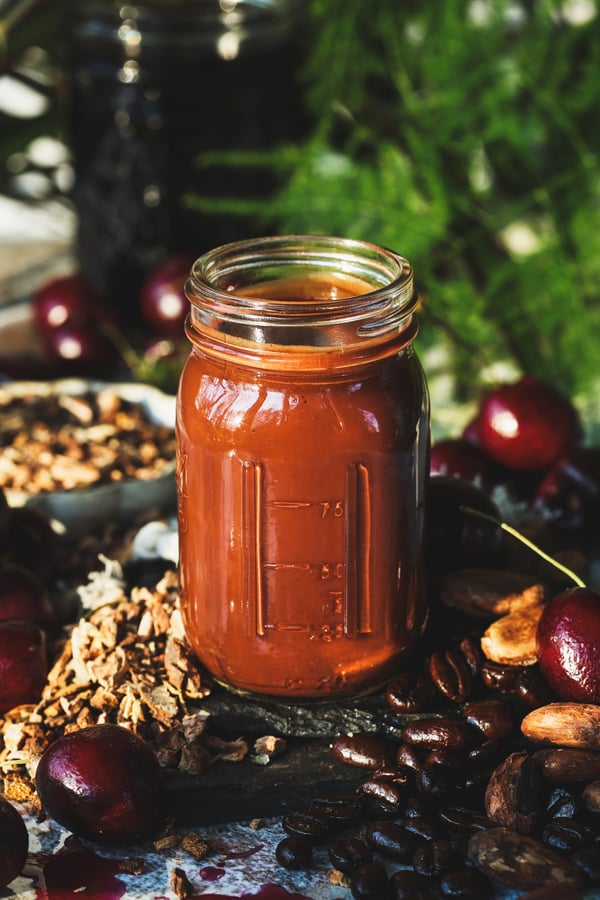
{"points": [[150, 88]]}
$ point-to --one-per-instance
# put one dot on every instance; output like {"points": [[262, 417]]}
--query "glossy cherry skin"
{"points": [[569, 495], [14, 842], [457, 539], [23, 663], [80, 348], [568, 645], [163, 304], [102, 783], [61, 300], [460, 458], [24, 596], [527, 425]]}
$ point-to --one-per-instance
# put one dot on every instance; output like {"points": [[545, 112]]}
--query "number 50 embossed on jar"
{"points": [[303, 436]]}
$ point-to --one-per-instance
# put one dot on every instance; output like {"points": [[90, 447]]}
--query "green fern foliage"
{"points": [[465, 135]]}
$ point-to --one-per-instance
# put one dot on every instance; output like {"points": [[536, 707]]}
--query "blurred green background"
{"points": [[465, 135]]}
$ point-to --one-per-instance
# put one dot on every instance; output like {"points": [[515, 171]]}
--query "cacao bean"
{"points": [[564, 724], [513, 797], [519, 860]]}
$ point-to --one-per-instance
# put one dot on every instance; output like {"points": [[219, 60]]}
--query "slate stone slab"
{"points": [[305, 719], [230, 792]]}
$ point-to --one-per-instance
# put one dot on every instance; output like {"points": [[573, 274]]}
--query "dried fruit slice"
{"points": [[511, 640]]}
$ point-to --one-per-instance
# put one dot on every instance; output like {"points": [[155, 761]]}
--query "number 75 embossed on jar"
{"points": [[303, 441]]}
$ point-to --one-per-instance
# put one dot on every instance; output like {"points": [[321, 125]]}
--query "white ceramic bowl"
{"points": [[82, 508]]}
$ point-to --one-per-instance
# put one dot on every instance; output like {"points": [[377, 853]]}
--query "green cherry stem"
{"points": [[521, 537]]}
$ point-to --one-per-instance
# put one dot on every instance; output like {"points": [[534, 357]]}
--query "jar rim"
{"points": [[211, 278], [299, 331]]}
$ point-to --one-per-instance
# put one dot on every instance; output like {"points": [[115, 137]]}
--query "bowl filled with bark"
{"points": [[87, 452]]}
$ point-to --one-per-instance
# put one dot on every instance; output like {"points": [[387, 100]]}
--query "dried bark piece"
{"points": [[511, 640], [520, 861], [564, 724], [193, 844], [489, 593], [268, 747], [180, 884]]}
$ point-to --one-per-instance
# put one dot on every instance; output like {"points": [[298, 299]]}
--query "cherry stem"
{"points": [[524, 540]]}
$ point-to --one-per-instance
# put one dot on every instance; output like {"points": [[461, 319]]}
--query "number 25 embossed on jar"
{"points": [[303, 439]]}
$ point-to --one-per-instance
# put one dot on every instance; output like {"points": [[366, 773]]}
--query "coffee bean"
{"points": [[367, 751], [436, 783], [416, 806], [423, 827], [440, 733], [561, 803], [408, 756], [407, 885], [436, 858], [497, 677], [369, 882], [410, 692], [294, 852], [402, 776], [337, 812], [390, 840], [383, 795], [462, 820], [451, 674], [531, 689], [348, 853], [493, 717], [309, 826], [450, 760], [489, 752], [471, 651], [466, 884], [565, 835]]}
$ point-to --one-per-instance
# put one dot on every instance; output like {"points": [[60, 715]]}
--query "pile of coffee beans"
{"points": [[463, 802]]}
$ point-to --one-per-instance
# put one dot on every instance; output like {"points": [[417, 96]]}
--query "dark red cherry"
{"points": [[527, 425], [568, 645], [23, 663], [460, 458], [569, 495], [23, 596], [163, 303], [456, 538], [32, 541], [61, 300], [14, 842], [102, 783], [80, 348]]}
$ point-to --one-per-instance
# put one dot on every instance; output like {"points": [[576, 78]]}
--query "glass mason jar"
{"points": [[155, 94], [303, 452]]}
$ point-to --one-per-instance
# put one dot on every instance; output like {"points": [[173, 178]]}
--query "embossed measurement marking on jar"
{"points": [[326, 592]]}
